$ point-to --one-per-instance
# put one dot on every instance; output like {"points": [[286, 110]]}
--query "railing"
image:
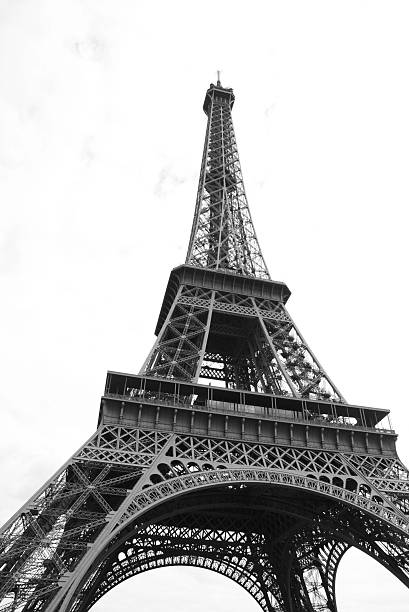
{"points": [[243, 410]]}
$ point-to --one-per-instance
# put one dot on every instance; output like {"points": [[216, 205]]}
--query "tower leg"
{"points": [[306, 564]]}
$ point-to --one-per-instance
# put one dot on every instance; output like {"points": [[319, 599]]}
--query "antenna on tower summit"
{"points": [[218, 79]]}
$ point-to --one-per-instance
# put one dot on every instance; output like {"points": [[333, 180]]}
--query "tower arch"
{"points": [[234, 534]]}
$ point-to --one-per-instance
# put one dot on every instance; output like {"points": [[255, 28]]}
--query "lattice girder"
{"points": [[178, 541], [224, 532], [246, 342], [188, 462], [50, 534], [122, 472], [223, 235], [310, 549]]}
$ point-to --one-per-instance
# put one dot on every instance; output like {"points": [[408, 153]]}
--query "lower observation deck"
{"points": [[169, 405]]}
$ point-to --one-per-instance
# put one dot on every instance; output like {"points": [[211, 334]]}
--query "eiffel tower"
{"points": [[231, 450]]}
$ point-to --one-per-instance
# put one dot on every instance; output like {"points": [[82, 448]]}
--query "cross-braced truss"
{"points": [[53, 545], [241, 341], [187, 466], [223, 235]]}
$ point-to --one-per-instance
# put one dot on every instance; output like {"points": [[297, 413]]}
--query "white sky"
{"points": [[101, 135]]}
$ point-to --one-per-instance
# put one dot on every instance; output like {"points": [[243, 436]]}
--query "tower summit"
{"points": [[231, 450], [223, 235]]}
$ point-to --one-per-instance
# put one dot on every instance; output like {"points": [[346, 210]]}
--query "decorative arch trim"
{"points": [[239, 575], [155, 494]]}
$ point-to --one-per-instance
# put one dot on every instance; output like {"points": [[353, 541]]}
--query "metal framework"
{"points": [[223, 236], [232, 450]]}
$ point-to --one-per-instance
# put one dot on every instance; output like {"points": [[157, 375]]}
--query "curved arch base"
{"points": [[284, 551], [274, 519]]}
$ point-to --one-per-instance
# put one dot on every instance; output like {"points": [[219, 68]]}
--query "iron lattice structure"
{"points": [[223, 235], [266, 475]]}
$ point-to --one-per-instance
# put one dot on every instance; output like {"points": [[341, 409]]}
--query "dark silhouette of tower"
{"points": [[231, 450]]}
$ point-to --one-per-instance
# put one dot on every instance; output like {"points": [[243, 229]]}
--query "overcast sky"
{"points": [[101, 136]]}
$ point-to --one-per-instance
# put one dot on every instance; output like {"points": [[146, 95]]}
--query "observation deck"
{"points": [[171, 405], [217, 91]]}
